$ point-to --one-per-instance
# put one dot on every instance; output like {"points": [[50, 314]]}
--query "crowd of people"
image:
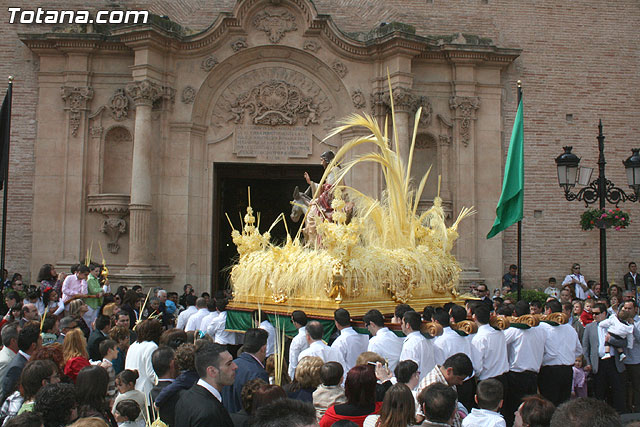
{"points": [[76, 353]]}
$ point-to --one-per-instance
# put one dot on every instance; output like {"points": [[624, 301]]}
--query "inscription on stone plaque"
{"points": [[272, 143]]}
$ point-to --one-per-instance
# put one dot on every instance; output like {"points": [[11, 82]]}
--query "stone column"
{"points": [[143, 93], [404, 103]]}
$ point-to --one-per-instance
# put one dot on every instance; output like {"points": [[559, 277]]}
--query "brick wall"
{"points": [[579, 58]]}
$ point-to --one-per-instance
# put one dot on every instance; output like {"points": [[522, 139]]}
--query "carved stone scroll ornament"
{"points": [[426, 115], [275, 22], [311, 45], [113, 227], [275, 102], [75, 99], [188, 94], [239, 44], [144, 92], [339, 68], [119, 105], [208, 63], [466, 106], [358, 99], [403, 100]]}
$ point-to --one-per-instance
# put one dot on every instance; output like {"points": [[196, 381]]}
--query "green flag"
{"points": [[509, 210]]}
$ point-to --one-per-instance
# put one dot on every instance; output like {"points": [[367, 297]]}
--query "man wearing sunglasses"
{"points": [[576, 279]]}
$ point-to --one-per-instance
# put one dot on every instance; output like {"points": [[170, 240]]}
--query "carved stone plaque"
{"points": [[272, 143]]}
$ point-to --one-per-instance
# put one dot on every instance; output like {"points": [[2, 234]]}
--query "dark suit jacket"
{"points": [[629, 283], [14, 370], [197, 407], [93, 345], [590, 345], [248, 369]]}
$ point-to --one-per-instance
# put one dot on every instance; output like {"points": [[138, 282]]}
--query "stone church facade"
{"points": [[132, 125]]}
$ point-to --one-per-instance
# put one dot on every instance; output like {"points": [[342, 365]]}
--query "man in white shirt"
{"points": [[416, 347], [260, 320], [194, 320], [577, 280], [525, 349], [349, 343], [450, 342], [191, 309], [317, 347], [561, 347], [299, 342], [213, 313], [217, 328], [383, 342], [9, 349]]}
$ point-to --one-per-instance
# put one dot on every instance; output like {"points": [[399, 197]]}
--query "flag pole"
{"points": [[520, 222], [5, 178]]}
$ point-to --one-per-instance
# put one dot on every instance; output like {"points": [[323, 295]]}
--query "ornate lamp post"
{"points": [[599, 190]]}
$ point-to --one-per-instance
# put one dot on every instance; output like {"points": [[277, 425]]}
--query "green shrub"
{"points": [[529, 295]]}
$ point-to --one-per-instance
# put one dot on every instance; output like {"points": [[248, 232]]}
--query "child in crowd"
{"points": [[109, 351], [618, 327], [330, 392], [50, 329], [489, 397], [586, 317], [579, 378], [126, 413]]}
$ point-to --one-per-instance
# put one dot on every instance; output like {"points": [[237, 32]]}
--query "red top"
{"points": [[586, 318], [74, 366], [331, 417]]}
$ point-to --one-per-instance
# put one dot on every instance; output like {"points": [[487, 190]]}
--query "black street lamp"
{"points": [[599, 190]]}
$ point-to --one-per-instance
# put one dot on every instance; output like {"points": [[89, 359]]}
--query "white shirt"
{"points": [[323, 351], [206, 320], [217, 330], [490, 348], [613, 325], [184, 316], [451, 342], [561, 345], [580, 293], [271, 340], [194, 320], [298, 344], [422, 351], [388, 345], [525, 348], [350, 345], [139, 359], [211, 389], [484, 418]]}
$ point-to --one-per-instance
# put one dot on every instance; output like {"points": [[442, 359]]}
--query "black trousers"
{"points": [[521, 384], [555, 383], [633, 387], [610, 385], [466, 393]]}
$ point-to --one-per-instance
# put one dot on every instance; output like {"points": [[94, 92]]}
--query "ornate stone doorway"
{"points": [[271, 186]]}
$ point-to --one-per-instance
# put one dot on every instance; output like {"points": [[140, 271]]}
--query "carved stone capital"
{"points": [[119, 105], [75, 99], [465, 107], [403, 101], [144, 92], [426, 116], [275, 22], [96, 131]]}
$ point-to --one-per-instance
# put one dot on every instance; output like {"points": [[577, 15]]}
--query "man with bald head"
{"points": [[194, 320], [29, 313]]}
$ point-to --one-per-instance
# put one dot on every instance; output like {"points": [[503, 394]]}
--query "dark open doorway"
{"points": [[271, 191]]}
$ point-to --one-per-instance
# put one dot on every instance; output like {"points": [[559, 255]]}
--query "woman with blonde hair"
{"points": [[306, 380], [77, 308], [74, 350], [398, 409]]}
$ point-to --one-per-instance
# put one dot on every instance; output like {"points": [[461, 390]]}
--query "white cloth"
{"points": [[206, 320], [217, 330], [211, 389], [139, 358], [580, 293], [525, 348], [6, 356], [298, 344], [194, 320], [138, 397], [422, 351], [58, 306], [271, 340], [613, 325], [490, 348], [350, 345], [388, 345], [484, 418], [552, 291], [561, 345], [184, 316], [451, 342], [324, 352]]}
